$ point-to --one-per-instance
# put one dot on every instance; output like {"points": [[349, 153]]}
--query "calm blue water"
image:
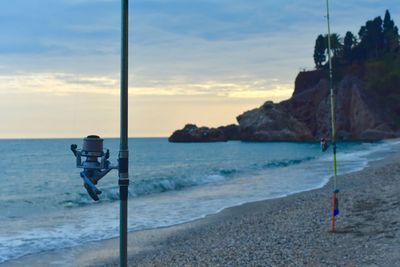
{"points": [[43, 205]]}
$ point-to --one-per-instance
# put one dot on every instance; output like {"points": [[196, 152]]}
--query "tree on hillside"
{"points": [[375, 40], [390, 34], [371, 37], [350, 41], [319, 51], [388, 23], [336, 44]]}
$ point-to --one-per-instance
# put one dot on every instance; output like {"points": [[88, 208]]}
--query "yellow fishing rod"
{"points": [[335, 203]]}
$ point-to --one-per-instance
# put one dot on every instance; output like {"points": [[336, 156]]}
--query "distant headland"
{"points": [[367, 88]]}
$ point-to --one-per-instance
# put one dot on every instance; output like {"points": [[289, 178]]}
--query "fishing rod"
{"points": [[335, 203], [123, 158], [94, 160]]}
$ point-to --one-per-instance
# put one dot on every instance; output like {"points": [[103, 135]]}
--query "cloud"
{"points": [[56, 84], [174, 44], [215, 58], [62, 84]]}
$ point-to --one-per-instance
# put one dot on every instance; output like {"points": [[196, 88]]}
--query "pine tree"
{"points": [[319, 51], [390, 33], [349, 43], [372, 38]]}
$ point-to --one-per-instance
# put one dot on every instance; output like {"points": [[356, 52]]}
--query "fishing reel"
{"points": [[94, 161]]}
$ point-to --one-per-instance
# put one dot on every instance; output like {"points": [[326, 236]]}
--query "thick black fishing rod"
{"points": [[94, 160], [123, 158]]}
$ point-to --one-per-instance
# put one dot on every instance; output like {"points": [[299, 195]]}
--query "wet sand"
{"points": [[290, 231]]}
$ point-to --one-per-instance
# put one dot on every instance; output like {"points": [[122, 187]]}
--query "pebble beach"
{"points": [[295, 231]]}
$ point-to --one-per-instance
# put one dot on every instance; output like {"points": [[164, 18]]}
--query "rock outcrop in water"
{"points": [[271, 122], [192, 133], [306, 115]]}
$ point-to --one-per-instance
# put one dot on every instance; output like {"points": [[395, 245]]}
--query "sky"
{"points": [[191, 61]]}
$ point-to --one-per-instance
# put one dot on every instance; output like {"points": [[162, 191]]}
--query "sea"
{"points": [[43, 205]]}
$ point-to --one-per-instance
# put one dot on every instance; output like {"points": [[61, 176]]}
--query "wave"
{"points": [[282, 163], [153, 186], [174, 183]]}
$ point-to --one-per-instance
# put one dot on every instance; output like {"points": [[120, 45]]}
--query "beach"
{"points": [[289, 231]]}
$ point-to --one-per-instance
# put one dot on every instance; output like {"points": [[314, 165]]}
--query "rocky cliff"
{"points": [[306, 115], [358, 117], [272, 122]]}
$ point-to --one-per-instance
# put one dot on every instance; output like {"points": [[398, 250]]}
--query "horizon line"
{"points": [[55, 138]]}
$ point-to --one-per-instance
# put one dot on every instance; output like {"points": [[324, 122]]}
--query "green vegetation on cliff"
{"points": [[382, 78], [376, 39], [373, 56]]}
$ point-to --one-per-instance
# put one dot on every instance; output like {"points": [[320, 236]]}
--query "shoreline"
{"points": [[238, 235]]}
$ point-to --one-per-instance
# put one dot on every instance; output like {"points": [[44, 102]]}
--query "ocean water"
{"points": [[43, 205]]}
